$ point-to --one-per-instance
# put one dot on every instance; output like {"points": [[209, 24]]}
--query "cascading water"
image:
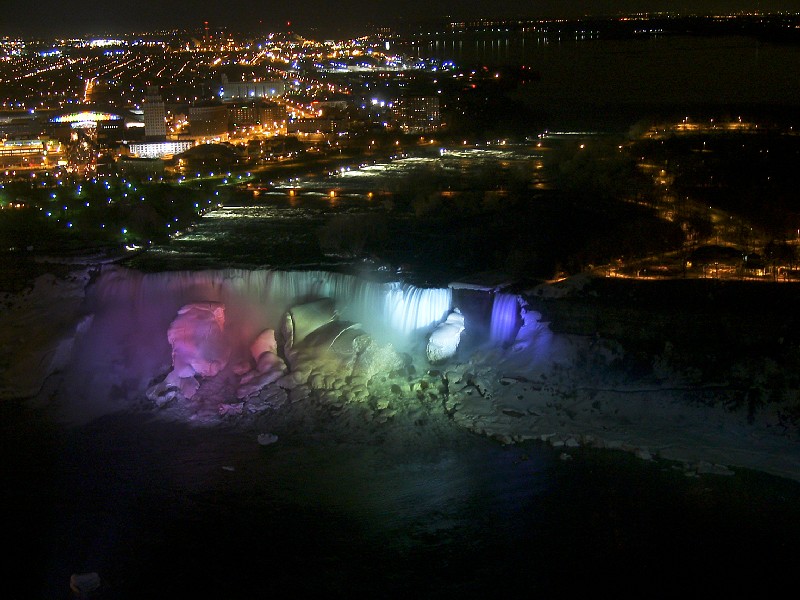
{"points": [[409, 309], [505, 318], [387, 310], [127, 340]]}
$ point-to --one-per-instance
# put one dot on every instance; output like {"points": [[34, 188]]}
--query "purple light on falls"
{"points": [[505, 318]]}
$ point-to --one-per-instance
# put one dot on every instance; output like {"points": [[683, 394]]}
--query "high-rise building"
{"points": [[246, 113], [155, 115], [208, 119], [417, 114]]}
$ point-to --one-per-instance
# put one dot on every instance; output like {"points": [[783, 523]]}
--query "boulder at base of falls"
{"points": [[269, 367], [443, 341], [330, 351], [199, 346]]}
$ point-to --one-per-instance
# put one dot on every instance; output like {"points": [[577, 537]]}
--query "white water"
{"points": [[126, 345], [505, 318]]}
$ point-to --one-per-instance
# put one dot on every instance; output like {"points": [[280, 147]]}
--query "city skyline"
{"points": [[91, 17]]}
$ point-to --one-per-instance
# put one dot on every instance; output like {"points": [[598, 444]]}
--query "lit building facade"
{"points": [[246, 113], [155, 115], [417, 114], [208, 120], [318, 126], [29, 153], [239, 90], [159, 149]]}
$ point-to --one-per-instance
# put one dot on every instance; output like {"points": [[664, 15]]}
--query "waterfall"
{"points": [[409, 309], [505, 318], [126, 343], [256, 299]]}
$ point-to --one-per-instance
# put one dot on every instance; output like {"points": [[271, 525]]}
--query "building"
{"points": [[236, 90], [208, 120], [249, 113], [326, 106], [153, 150], [319, 125], [112, 132], [20, 124], [273, 115], [140, 168], [34, 153], [417, 114], [104, 125], [155, 116]]}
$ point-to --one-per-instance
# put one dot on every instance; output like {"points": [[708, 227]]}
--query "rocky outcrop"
{"points": [[443, 341], [199, 347], [336, 358]]}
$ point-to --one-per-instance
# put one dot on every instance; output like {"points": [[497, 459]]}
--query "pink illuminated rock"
{"points": [[265, 342], [269, 361], [242, 367], [199, 346], [268, 369]]}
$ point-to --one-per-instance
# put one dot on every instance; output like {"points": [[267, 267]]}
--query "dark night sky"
{"points": [[64, 17]]}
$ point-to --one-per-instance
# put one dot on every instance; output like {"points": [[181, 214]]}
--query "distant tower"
{"points": [[206, 36], [155, 115]]}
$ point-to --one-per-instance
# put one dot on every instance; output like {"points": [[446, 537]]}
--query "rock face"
{"points": [[330, 355], [269, 367], [199, 346], [303, 319], [38, 334], [534, 334], [264, 342], [84, 585], [443, 341], [316, 352]]}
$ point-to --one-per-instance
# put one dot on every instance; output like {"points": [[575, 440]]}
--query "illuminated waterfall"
{"points": [[505, 318], [409, 308], [257, 299], [129, 313]]}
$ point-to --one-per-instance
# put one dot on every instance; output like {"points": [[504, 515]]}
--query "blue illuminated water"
{"points": [[504, 322]]}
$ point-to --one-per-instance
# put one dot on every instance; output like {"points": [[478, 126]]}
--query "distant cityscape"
{"points": [[89, 127]]}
